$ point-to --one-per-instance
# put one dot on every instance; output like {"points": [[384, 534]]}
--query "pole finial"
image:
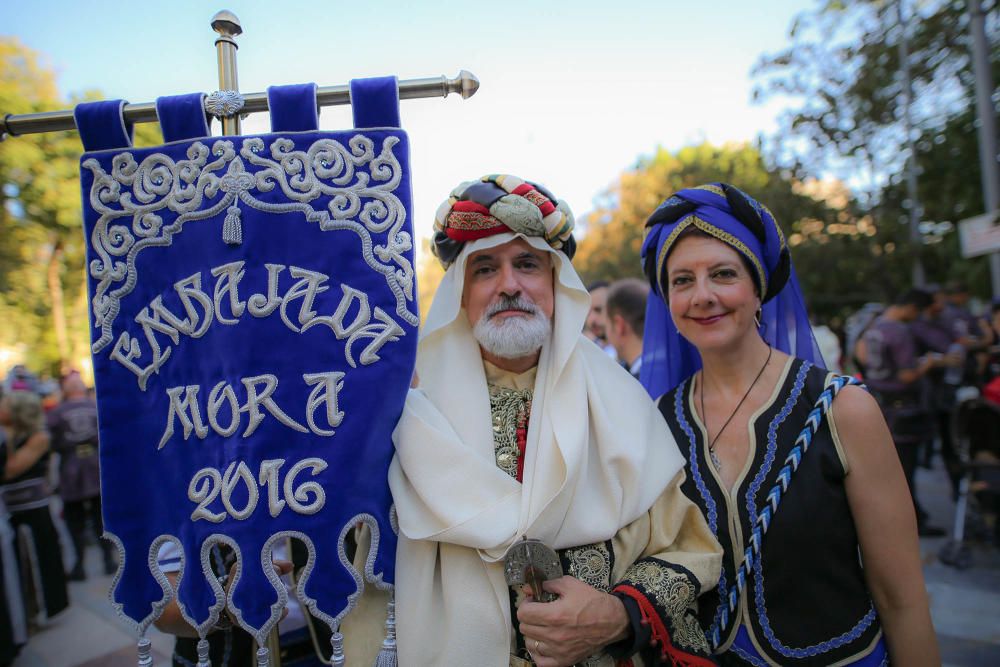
{"points": [[469, 84], [227, 24]]}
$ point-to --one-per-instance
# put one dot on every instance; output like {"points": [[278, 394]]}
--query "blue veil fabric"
{"points": [[254, 329], [733, 217]]}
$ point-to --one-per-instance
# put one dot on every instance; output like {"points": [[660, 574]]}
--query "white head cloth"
{"points": [[598, 455]]}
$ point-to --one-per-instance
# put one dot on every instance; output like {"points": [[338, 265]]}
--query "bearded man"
{"points": [[520, 427]]}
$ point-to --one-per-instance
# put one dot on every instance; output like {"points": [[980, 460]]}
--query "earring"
{"points": [[757, 316]]}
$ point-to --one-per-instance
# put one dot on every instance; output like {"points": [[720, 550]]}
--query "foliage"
{"points": [[39, 208], [42, 251], [842, 76], [614, 232], [429, 275], [949, 189], [843, 256]]}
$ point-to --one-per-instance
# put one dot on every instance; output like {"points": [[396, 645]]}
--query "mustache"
{"points": [[512, 303]]}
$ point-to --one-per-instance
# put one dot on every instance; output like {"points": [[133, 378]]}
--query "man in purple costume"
{"points": [[73, 425], [893, 372]]}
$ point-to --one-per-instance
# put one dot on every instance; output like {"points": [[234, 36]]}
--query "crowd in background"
{"points": [[926, 357], [49, 480], [931, 358]]}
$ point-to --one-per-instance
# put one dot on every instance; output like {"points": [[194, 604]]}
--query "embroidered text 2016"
{"points": [[209, 484]]}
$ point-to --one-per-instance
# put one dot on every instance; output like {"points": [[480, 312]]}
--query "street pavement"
{"points": [[965, 606]]}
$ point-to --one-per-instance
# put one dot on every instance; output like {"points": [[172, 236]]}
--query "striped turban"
{"points": [[738, 220], [496, 204], [731, 216]]}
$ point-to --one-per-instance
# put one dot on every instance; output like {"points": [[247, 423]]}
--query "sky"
{"points": [[572, 92]]}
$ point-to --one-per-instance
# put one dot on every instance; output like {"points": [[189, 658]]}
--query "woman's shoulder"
{"points": [[854, 404], [667, 401], [818, 378]]}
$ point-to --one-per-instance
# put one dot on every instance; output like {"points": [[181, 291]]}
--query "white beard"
{"points": [[512, 337]]}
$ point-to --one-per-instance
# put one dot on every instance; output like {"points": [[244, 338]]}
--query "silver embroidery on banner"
{"points": [[131, 199]]}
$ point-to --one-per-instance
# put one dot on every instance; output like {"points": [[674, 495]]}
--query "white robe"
{"points": [[598, 456]]}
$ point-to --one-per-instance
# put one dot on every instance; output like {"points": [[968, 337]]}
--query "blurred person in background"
{"points": [[596, 326], [27, 495], [625, 319], [13, 629], [829, 347], [991, 362], [73, 427], [935, 338], [974, 333], [893, 370], [20, 379], [49, 391], [854, 330]]}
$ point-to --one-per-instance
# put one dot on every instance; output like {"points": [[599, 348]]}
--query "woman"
{"points": [[719, 341], [13, 628], [26, 493]]}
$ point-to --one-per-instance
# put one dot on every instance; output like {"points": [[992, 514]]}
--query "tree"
{"points": [[842, 78], [842, 257], [429, 275], [949, 189], [40, 215], [614, 231], [43, 299], [842, 74]]}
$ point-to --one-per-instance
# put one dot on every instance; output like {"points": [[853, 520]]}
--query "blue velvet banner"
{"points": [[254, 328]]}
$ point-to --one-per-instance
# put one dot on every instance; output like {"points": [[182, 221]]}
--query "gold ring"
{"points": [[537, 644]]}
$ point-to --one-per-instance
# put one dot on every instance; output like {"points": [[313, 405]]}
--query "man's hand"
{"points": [[576, 626]]}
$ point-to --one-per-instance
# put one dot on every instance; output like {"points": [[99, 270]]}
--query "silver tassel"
{"points": [[145, 653], [232, 228], [263, 660], [337, 657], [387, 656], [203, 659]]}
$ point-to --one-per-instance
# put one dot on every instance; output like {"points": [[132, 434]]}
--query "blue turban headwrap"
{"points": [[744, 224]]}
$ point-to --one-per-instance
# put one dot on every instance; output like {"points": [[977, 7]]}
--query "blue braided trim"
{"points": [[756, 535], [745, 650], [772, 439], [761, 521], [810, 651], [803, 441], [712, 514], [706, 496]]}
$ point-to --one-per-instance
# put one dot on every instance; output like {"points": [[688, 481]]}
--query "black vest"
{"points": [[805, 602]]}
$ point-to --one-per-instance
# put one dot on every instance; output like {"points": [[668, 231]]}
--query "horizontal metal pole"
{"points": [[465, 84]]}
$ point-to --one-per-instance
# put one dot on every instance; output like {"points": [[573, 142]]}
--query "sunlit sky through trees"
{"points": [[573, 92]]}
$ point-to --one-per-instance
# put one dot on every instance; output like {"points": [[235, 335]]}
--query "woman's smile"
{"points": [[706, 321]]}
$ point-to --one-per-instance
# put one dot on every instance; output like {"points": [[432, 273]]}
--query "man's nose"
{"points": [[509, 284]]}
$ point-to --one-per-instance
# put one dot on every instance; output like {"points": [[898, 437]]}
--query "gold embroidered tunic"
{"points": [[643, 555], [510, 407]]}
